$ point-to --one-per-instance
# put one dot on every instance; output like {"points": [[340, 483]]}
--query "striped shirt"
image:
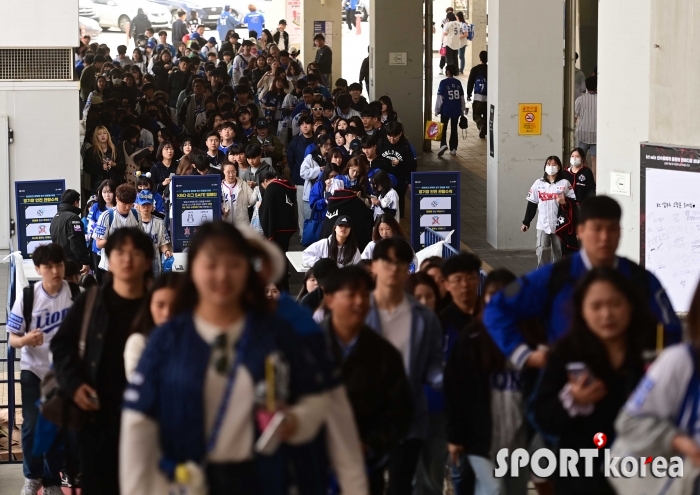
{"points": [[586, 112]]}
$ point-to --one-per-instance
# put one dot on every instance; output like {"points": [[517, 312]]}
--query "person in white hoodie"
{"points": [[313, 165], [340, 246]]}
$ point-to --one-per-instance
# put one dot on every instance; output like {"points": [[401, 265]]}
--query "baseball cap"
{"points": [[243, 109], [195, 36], [344, 220], [294, 52], [160, 47], [227, 6], [282, 22], [144, 198], [261, 122], [317, 90], [151, 44], [209, 66], [212, 40], [236, 35], [247, 43]]}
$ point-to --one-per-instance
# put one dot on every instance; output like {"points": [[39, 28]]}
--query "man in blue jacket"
{"points": [[546, 293], [296, 151], [415, 332]]}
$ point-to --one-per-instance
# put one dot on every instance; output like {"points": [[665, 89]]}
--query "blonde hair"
{"points": [[96, 144]]}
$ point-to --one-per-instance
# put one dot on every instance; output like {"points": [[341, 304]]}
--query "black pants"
{"points": [[99, 454], [443, 62], [350, 18], [479, 114], [403, 460], [281, 239], [454, 136], [452, 57], [240, 478]]}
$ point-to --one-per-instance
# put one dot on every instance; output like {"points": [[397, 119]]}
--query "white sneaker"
{"points": [[442, 150], [53, 490], [31, 487], [440, 73], [453, 152]]}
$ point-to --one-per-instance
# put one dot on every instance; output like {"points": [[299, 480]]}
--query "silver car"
{"points": [[117, 13]]}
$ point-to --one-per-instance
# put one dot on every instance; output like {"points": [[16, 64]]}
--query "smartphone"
{"points": [[576, 369], [94, 399]]}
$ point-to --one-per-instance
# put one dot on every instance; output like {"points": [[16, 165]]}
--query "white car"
{"points": [[89, 27], [117, 13]]}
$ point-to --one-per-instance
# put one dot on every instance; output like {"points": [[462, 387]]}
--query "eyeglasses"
{"points": [[220, 361], [317, 109]]}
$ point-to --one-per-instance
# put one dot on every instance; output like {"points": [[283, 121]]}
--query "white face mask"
{"points": [[575, 162], [551, 169], [116, 81]]}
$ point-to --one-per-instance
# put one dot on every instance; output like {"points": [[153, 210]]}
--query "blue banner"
{"points": [[434, 205], [37, 204], [196, 200]]}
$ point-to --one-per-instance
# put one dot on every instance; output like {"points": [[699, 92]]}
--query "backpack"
{"points": [[471, 31], [111, 216], [28, 299], [480, 85]]}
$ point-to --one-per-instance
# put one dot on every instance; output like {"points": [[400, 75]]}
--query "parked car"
{"points": [[117, 13], [89, 27], [174, 5], [362, 7], [87, 10]]}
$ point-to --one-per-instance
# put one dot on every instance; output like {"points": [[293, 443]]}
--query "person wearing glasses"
{"points": [[211, 379]]}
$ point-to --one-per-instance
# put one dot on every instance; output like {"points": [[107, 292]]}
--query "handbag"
{"points": [[312, 229], [463, 122], [54, 406], [443, 51], [434, 130]]}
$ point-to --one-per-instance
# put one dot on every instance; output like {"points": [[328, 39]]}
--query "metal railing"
{"points": [[10, 381], [432, 237]]}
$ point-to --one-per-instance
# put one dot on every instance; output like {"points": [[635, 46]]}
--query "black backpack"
{"points": [[28, 295]]}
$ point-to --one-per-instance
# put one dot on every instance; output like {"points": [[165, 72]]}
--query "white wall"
{"points": [[39, 23], [525, 66], [624, 38]]}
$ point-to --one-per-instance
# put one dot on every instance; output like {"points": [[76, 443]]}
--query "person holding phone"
{"points": [[593, 369]]}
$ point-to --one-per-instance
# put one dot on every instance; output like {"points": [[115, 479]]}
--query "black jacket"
{"points": [[378, 390], [401, 151], [477, 70], [139, 24], [179, 31], [278, 208], [346, 202], [285, 38], [67, 231], [582, 182], [324, 60], [178, 81]]}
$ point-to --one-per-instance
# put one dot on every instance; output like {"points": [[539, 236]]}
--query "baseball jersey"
{"points": [[229, 194], [453, 30], [156, 231], [47, 314], [103, 229], [544, 194], [450, 98]]}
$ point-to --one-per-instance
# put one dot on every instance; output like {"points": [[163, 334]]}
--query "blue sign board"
{"points": [[196, 200], [434, 205], [37, 204]]}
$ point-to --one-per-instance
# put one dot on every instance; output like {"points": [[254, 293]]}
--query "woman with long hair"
{"points": [[141, 63], [236, 196], [340, 246], [423, 289], [322, 189], [104, 162], [385, 199], [313, 164], [545, 197], [202, 373], [593, 369], [354, 175], [580, 175], [388, 113], [271, 103], [164, 167], [105, 200], [464, 33], [385, 226], [293, 73], [97, 94]]}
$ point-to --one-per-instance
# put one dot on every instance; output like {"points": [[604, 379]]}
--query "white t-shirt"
{"points": [[544, 195], [396, 328], [229, 196], [156, 231], [103, 229], [47, 314], [452, 31]]}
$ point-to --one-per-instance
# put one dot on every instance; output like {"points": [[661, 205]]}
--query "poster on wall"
{"points": [[434, 205], [670, 219], [326, 29], [37, 204], [293, 18], [196, 200]]}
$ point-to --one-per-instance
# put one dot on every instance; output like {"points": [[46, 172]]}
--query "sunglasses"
{"points": [[221, 360], [317, 109]]}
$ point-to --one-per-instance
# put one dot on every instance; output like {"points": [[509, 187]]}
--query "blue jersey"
{"points": [[529, 298], [255, 22], [223, 26], [451, 96]]}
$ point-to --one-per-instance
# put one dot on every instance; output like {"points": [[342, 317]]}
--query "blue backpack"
{"points": [[470, 31]]}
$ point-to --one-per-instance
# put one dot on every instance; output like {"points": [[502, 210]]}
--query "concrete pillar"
{"points": [[525, 66], [478, 16], [396, 60], [328, 11], [588, 35]]}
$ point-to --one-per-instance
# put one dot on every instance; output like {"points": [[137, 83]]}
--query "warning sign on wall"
{"points": [[530, 119]]}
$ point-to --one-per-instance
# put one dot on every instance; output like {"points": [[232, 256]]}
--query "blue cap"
{"points": [[160, 47], [151, 44], [195, 36], [211, 40], [144, 198]]}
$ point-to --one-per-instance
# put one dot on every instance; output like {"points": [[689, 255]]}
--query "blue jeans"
{"points": [[42, 467], [461, 58], [486, 483]]}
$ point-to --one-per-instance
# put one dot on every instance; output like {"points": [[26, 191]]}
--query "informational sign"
{"points": [[293, 18], [620, 184], [326, 29], [670, 219], [399, 58], [37, 204], [492, 115], [434, 204], [196, 200], [530, 119]]}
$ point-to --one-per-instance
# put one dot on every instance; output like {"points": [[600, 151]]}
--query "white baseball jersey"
{"points": [[156, 231], [103, 229], [544, 194], [47, 314]]}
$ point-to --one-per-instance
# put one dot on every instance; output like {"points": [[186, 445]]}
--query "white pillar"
{"points": [[525, 66], [327, 11]]}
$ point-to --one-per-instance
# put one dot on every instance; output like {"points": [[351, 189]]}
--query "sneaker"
{"points": [[453, 152], [442, 150], [53, 490], [31, 487], [440, 73]]}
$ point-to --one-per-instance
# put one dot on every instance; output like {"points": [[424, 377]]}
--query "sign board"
{"points": [[435, 204], [530, 119], [326, 29], [670, 219], [398, 58], [620, 184], [37, 204], [492, 115], [196, 200], [293, 18]]}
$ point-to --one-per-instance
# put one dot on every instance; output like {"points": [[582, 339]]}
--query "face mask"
{"points": [[143, 43], [575, 162], [116, 81], [551, 169], [153, 114]]}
